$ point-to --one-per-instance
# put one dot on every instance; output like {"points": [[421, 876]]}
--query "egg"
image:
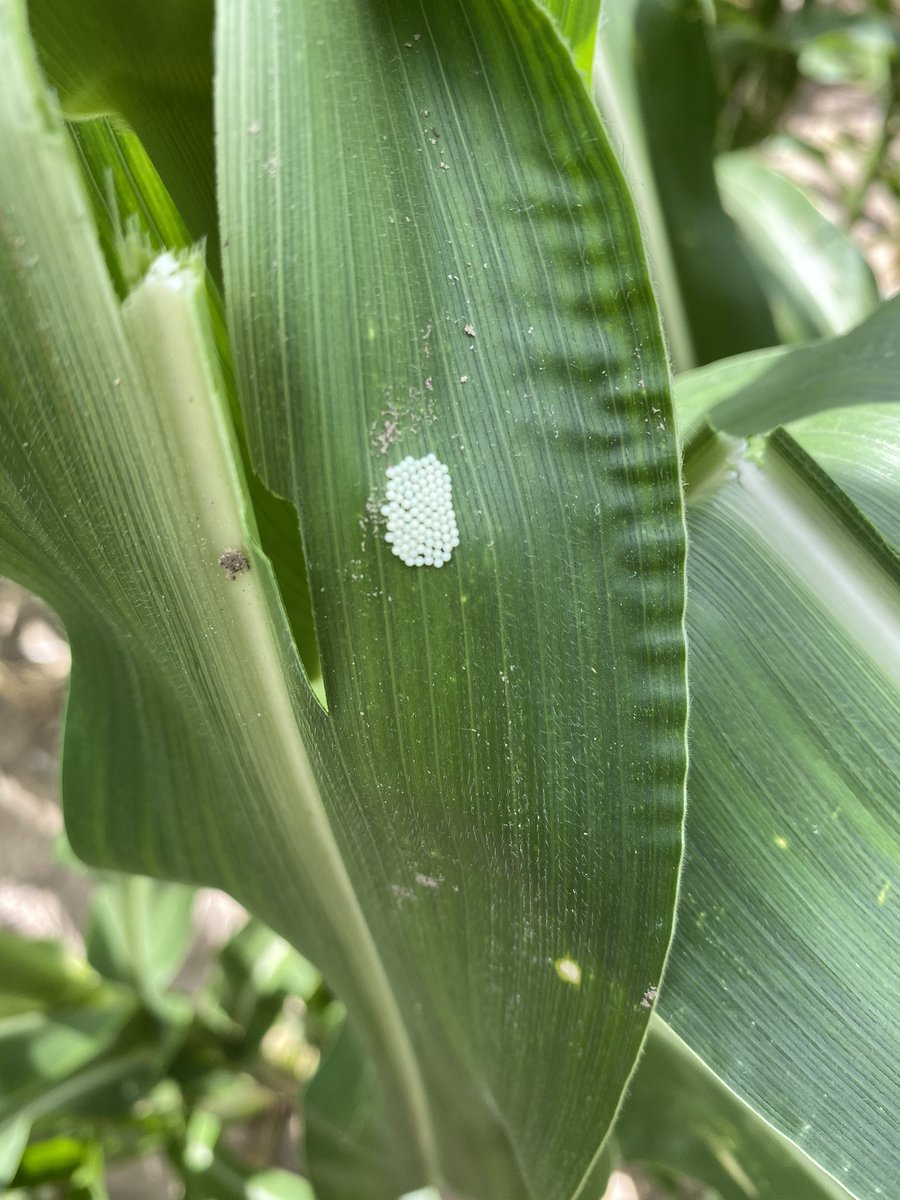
{"points": [[421, 524]]}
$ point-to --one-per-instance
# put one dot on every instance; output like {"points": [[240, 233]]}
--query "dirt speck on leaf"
{"points": [[387, 434]]}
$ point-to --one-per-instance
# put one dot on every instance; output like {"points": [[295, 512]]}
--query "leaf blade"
{"points": [[679, 1117], [353, 271], [78, 369], [784, 964], [179, 663]]}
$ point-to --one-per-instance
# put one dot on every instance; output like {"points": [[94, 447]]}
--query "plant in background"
{"points": [[461, 791], [104, 1061]]}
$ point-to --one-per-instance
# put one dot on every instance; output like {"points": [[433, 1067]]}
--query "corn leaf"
{"points": [[784, 974], [701, 1131], [152, 65], [756, 393], [815, 279], [350, 279], [577, 23], [656, 88], [475, 843], [859, 448]]}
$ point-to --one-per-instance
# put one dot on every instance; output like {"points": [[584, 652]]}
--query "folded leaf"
{"points": [[861, 367], [152, 64]]}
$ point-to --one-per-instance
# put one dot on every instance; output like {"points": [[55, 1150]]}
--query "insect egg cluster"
{"points": [[421, 525]]}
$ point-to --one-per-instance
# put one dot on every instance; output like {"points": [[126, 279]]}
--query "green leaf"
{"points": [[756, 66], [346, 1131], [577, 22], [134, 214], [698, 392], [350, 280], [40, 974], [656, 88], [51, 1159], [259, 970], [859, 53], [816, 281], [152, 64], [277, 1184], [200, 1139], [257, 962], [136, 219], [226, 1180], [85, 1053], [838, 397], [503, 874], [211, 1173], [13, 1140], [755, 393], [859, 448], [785, 963], [680, 1119], [139, 933], [88, 1181], [43, 1054]]}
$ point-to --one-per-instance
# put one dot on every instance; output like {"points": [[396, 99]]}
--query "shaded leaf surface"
{"points": [[151, 63], [346, 1135]]}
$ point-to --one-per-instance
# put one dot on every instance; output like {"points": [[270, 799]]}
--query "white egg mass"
{"points": [[421, 524]]}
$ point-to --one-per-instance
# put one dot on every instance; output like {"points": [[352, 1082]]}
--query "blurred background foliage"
{"points": [[155, 1040], [816, 86]]}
